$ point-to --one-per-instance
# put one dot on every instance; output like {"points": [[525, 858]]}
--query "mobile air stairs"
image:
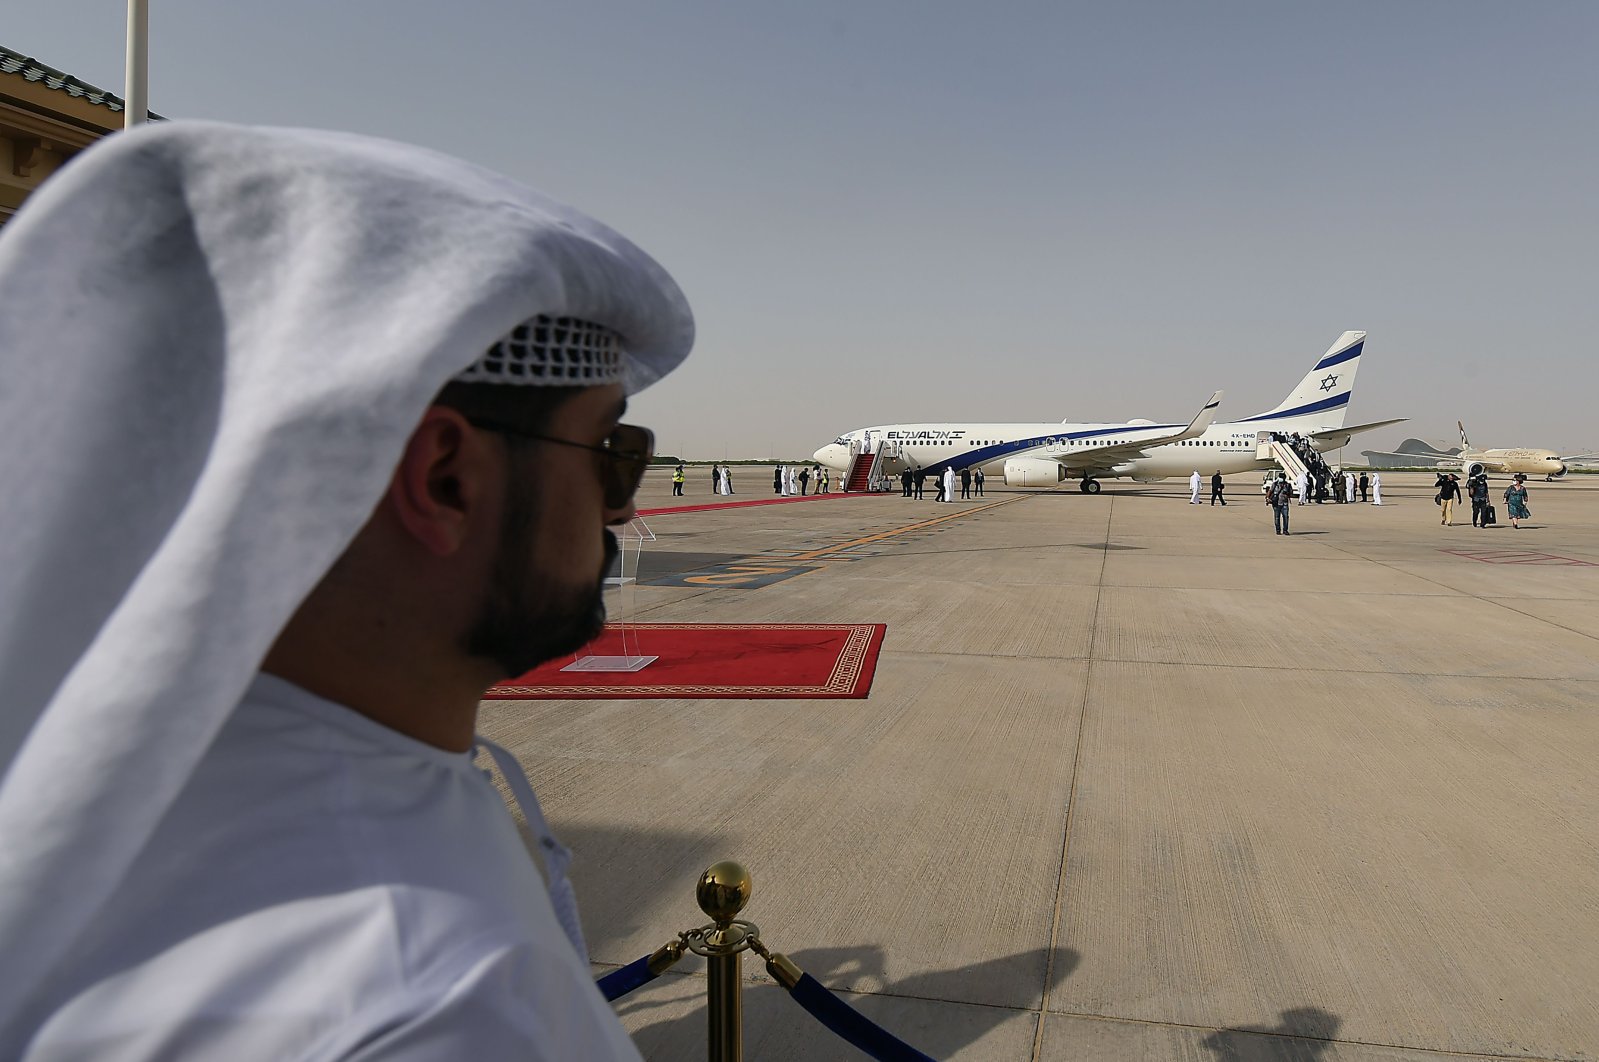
{"points": [[1274, 446], [866, 471]]}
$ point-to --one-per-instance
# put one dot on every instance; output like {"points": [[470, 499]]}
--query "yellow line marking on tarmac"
{"points": [[817, 554]]}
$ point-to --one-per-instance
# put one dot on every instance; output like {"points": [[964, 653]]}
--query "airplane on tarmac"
{"points": [[1043, 455], [1545, 463]]}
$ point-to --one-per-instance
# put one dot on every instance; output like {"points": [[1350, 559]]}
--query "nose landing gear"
{"points": [[1089, 485]]}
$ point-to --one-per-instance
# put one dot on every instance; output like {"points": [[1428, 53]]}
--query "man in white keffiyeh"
{"points": [[322, 441]]}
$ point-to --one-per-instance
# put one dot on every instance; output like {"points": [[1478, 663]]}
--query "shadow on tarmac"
{"points": [[776, 1027], [1302, 1034]]}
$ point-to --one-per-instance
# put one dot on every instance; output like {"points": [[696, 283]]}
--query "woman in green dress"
{"points": [[1516, 500]]}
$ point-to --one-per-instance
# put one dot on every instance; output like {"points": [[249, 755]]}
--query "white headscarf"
{"points": [[215, 342]]}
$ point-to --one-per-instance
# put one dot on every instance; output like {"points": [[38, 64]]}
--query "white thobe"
{"points": [[1376, 489], [1193, 489], [1349, 487], [325, 887], [1302, 484]]}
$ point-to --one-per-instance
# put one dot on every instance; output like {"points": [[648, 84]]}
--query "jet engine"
{"points": [[1559, 473], [1473, 468], [1033, 472]]}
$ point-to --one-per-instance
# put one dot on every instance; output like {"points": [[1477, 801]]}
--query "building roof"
{"points": [[31, 69]]}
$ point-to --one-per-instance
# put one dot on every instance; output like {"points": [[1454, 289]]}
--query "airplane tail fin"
{"points": [[1465, 444], [1323, 395]]}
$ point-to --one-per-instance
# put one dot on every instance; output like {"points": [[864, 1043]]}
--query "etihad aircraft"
{"points": [[1545, 463], [1039, 455]]}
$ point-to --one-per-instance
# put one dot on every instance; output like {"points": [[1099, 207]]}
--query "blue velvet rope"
{"points": [[618, 983], [851, 1025]]}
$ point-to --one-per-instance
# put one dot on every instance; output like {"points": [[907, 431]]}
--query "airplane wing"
{"points": [[1107, 457], [1577, 457], [1356, 429], [1409, 459]]}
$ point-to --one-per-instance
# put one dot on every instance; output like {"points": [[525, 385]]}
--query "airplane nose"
{"points": [[828, 455]]}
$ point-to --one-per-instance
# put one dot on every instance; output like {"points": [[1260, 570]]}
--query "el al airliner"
{"points": [[1040, 455]]}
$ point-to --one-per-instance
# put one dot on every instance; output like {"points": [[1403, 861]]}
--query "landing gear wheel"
{"points": [[1089, 486]]}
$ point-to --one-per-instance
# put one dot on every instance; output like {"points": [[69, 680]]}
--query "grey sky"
{"points": [[1030, 211]]}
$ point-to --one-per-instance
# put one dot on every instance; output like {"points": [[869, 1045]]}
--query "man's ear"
{"points": [[441, 481]]}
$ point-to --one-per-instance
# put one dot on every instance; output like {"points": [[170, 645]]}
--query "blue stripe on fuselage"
{"points": [[983, 455]]}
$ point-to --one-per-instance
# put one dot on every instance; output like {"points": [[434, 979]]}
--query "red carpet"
{"points": [[785, 660], [774, 500]]}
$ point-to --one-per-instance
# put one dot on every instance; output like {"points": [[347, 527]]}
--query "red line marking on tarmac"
{"points": [[755, 501]]}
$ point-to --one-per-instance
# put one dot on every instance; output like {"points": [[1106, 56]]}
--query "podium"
{"points": [[630, 541]]}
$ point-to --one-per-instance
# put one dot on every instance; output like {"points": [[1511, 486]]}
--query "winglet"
{"points": [[1202, 420]]}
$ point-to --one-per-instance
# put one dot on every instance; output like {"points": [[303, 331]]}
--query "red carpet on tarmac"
{"points": [[774, 500], [751, 662]]}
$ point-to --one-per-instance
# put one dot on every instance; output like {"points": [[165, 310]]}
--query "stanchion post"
{"points": [[722, 892]]}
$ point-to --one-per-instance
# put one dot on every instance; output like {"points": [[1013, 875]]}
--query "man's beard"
{"points": [[525, 621]]}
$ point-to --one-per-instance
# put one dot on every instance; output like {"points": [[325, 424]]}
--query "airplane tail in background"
{"points": [[1322, 397], [1465, 444]]}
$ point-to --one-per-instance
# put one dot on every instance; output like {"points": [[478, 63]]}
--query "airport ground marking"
{"points": [[818, 554], [1517, 556], [1071, 795], [777, 564]]}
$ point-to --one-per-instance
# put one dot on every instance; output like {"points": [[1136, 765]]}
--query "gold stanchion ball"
{"points": [[723, 890]]}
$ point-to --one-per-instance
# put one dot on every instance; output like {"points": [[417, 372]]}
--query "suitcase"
{"points": [[1489, 517]]}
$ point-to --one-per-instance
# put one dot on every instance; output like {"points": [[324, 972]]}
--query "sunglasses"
{"points": [[627, 450]]}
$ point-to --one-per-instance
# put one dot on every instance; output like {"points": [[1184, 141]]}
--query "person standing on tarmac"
{"points": [[1448, 494], [804, 478], [677, 482], [1516, 501], [977, 481], [1193, 488], [1278, 496], [1477, 491], [905, 483], [1216, 487], [919, 479], [966, 483]]}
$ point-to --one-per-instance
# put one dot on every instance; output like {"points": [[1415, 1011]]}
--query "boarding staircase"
{"points": [[861, 473], [866, 471], [1271, 446]]}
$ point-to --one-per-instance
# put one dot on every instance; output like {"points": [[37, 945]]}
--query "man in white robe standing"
{"points": [[1302, 486], [949, 483], [1376, 488], [1193, 488], [354, 408], [1349, 486]]}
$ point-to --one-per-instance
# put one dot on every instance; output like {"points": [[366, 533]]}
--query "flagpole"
{"points": [[136, 102]]}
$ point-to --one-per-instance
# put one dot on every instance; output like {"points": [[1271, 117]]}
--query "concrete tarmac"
{"points": [[1136, 779]]}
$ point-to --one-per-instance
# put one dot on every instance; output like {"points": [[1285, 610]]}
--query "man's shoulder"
{"points": [[391, 972]]}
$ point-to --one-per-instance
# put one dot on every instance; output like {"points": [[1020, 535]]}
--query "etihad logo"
{"points": [[926, 434]]}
